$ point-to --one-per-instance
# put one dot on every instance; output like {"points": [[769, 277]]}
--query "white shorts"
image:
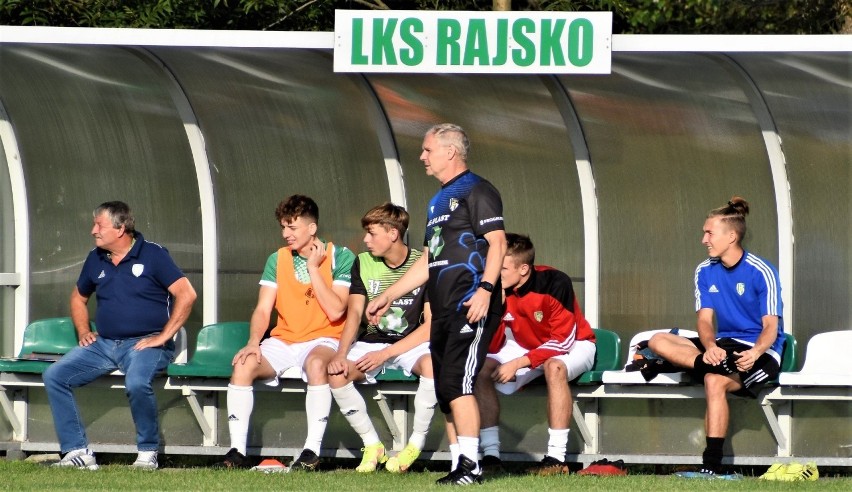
{"points": [[282, 355], [405, 361], [580, 359]]}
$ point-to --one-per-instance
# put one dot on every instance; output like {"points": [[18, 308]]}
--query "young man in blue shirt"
{"points": [[744, 351]]}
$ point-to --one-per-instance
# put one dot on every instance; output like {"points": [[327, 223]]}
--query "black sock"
{"points": [[654, 367], [712, 457]]}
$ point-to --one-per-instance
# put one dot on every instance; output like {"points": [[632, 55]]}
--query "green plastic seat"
{"points": [[395, 375], [214, 350], [607, 356], [790, 357], [50, 337]]}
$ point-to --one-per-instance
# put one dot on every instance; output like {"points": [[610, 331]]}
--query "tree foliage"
{"points": [[630, 16]]}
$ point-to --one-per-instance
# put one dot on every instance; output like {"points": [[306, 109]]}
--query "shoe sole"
{"points": [[697, 476], [381, 461], [605, 470], [546, 472], [87, 468], [392, 465]]}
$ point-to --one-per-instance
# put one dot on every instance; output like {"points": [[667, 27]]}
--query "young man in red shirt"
{"points": [[543, 332]]}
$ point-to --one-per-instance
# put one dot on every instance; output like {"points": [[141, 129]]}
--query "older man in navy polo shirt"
{"points": [[143, 299]]}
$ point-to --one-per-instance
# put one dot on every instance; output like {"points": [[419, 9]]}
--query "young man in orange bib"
{"points": [[307, 283]]}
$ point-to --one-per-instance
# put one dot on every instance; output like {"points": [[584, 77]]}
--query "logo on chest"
{"points": [[740, 288], [137, 269], [538, 315], [436, 243]]}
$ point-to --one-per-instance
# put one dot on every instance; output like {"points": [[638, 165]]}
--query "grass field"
{"points": [[27, 475]]}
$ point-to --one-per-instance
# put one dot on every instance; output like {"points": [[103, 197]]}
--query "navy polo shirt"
{"points": [[133, 296]]}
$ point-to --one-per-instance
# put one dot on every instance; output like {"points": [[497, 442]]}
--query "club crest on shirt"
{"points": [[137, 269], [740, 288], [454, 204], [538, 315]]}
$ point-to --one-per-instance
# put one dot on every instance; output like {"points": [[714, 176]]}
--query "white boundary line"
{"points": [[764, 43]]}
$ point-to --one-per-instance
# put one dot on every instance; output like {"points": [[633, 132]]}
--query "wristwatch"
{"points": [[488, 286]]}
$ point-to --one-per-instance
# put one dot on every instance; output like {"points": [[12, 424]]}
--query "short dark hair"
{"points": [[119, 214], [387, 215], [521, 248], [295, 206]]}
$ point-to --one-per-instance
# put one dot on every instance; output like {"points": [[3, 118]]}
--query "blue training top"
{"points": [[459, 216], [740, 296], [133, 296]]}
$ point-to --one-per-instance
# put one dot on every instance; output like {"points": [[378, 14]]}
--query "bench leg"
{"points": [[780, 425], [15, 411], [587, 423], [206, 415], [395, 412]]}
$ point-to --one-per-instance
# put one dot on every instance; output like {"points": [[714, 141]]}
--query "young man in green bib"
{"points": [[400, 340]]}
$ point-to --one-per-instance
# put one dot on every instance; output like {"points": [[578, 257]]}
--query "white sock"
{"points": [[425, 402], [354, 408], [240, 404], [489, 439], [469, 446], [557, 444], [454, 456], [317, 408]]}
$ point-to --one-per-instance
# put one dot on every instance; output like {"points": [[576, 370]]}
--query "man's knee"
{"points": [[423, 367], [245, 370], [338, 380], [137, 384], [555, 369], [659, 341], [49, 375], [719, 385], [316, 366], [55, 376], [488, 368]]}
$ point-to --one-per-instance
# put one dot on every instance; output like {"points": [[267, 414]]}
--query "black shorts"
{"points": [[765, 368], [458, 351]]}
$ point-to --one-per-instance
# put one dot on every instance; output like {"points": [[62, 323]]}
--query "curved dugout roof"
{"points": [[611, 175]]}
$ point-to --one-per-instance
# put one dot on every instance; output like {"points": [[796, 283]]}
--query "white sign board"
{"points": [[472, 42]]}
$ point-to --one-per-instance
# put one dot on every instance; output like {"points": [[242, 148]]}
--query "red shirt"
{"points": [[544, 316]]}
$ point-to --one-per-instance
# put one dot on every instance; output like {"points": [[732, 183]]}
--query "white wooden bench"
{"points": [[825, 376], [676, 385]]}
